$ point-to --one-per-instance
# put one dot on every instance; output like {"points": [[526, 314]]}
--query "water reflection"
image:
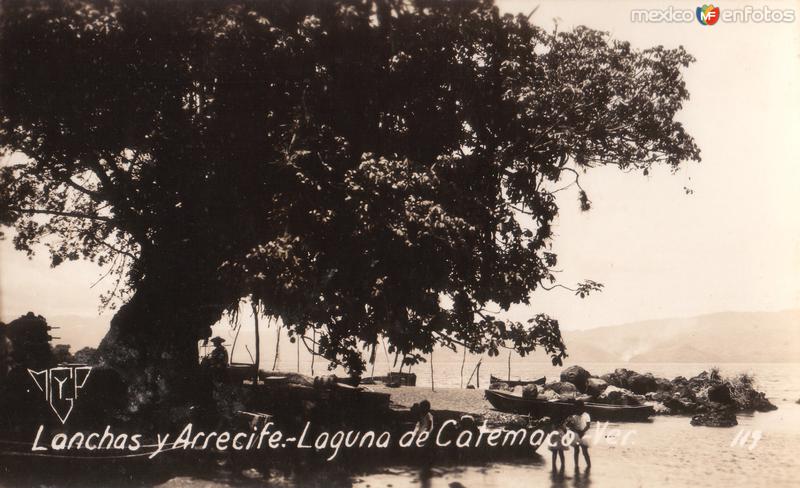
{"points": [[425, 476], [580, 478]]}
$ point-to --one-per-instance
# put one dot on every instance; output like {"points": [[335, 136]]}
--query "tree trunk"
{"points": [[509, 365], [257, 361], [152, 343]]}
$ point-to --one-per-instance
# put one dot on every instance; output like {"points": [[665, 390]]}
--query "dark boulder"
{"points": [[596, 386], [577, 376], [679, 381], [618, 378], [620, 396], [663, 384], [720, 393], [680, 405], [641, 383], [685, 392], [750, 399], [702, 380], [658, 396], [563, 388], [723, 417]]}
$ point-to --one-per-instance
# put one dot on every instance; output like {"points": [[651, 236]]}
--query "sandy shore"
{"points": [[456, 399], [461, 400]]}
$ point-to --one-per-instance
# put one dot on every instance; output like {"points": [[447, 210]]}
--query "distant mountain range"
{"points": [[727, 337]]}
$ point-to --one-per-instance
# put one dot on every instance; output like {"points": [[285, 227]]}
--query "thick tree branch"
{"points": [[76, 215]]}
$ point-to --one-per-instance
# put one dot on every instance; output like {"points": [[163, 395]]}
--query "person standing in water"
{"points": [[556, 442], [579, 424]]}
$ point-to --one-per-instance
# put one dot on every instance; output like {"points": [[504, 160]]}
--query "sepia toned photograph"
{"points": [[399, 243]]}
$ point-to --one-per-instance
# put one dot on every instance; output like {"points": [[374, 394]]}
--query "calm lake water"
{"points": [[665, 452]]}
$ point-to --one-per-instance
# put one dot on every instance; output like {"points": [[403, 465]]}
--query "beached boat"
{"points": [[506, 402], [513, 383], [392, 379]]}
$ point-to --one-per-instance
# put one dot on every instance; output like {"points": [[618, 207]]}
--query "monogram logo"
{"points": [[60, 387]]}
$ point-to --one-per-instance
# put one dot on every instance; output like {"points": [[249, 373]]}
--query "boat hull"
{"points": [[509, 403], [514, 383], [392, 379]]}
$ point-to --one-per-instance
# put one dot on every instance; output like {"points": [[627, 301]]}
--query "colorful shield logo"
{"points": [[708, 14]]}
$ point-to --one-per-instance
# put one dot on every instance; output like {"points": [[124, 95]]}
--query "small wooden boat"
{"points": [[514, 383], [506, 402], [392, 379]]}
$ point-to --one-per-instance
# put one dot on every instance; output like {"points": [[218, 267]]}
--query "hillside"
{"points": [[720, 337]]}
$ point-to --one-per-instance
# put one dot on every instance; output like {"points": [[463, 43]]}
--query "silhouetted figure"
{"points": [[424, 418], [219, 356]]}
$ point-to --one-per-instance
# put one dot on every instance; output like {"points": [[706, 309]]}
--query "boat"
{"points": [[392, 379], [506, 402], [514, 383]]}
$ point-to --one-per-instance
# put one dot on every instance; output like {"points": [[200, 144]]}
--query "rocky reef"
{"points": [[722, 417], [709, 398]]}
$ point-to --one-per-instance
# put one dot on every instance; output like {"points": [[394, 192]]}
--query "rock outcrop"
{"points": [[620, 396], [577, 376], [710, 398], [596, 386], [721, 417], [636, 382], [562, 388], [720, 393], [642, 383]]}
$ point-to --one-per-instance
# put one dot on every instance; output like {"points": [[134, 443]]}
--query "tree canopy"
{"points": [[361, 168]]}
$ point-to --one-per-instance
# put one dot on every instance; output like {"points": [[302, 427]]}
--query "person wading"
{"points": [[579, 424]]}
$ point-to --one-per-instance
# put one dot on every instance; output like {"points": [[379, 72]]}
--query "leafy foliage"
{"points": [[361, 168]]}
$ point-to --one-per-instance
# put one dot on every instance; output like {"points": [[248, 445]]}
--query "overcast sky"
{"points": [[734, 244]]}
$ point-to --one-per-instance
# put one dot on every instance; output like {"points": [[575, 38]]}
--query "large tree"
{"points": [[361, 169]]}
